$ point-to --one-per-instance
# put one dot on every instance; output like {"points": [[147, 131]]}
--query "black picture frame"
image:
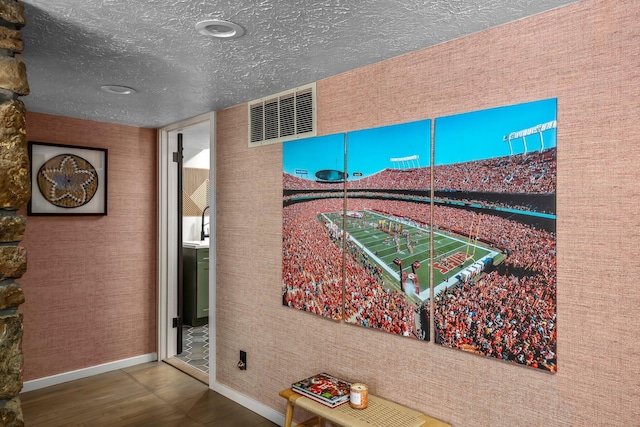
{"points": [[67, 180]]}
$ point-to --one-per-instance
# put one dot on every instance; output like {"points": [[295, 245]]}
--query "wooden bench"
{"points": [[379, 412]]}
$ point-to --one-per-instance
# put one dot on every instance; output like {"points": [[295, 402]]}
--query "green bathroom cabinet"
{"points": [[195, 304]]}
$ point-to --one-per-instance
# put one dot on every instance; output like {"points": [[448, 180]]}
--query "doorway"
{"points": [[187, 245]]}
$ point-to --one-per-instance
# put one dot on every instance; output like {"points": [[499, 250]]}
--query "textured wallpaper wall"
{"points": [[91, 282], [586, 55]]}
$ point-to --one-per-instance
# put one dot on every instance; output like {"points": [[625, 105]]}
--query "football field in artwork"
{"points": [[392, 243]]}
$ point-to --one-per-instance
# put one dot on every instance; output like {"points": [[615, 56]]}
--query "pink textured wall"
{"points": [[585, 54], [90, 284]]}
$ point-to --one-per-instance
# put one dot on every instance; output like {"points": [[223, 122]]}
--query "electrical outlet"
{"points": [[242, 364]]}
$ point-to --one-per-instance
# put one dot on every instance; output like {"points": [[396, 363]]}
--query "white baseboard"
{"points": [[249, 403], [87, 372]]}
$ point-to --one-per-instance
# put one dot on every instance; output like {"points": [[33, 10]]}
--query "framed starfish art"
{"points": [[67, 180]]}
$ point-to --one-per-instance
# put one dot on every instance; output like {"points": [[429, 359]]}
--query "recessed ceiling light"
{"points": [[118, 90], [219, 28]]}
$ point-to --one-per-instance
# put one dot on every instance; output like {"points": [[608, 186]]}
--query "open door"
{"points": [[178, 159], [184, 260]]}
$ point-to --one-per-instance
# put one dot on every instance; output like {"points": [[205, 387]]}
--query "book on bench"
{"points": [[324, 388]]}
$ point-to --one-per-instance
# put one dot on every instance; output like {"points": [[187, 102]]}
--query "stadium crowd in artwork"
{"points": [[477, 251]]}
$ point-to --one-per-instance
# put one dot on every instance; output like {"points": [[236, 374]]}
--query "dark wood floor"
{"points": [[152, 394]]}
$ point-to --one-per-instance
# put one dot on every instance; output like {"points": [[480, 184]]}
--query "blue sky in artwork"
{"points": [[479, 135], [313, 154], [369, 152], [464, 137]]}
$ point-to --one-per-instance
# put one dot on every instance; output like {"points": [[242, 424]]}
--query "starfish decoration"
{"points": [[69, 181]]}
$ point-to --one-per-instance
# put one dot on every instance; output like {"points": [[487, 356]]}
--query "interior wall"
{"points": [[585, 54], [195, 198], [91, 281]]}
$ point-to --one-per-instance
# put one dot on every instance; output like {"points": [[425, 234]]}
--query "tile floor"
{"points": [[195, 347]]}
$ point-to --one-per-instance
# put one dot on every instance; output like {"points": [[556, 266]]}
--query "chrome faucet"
{"points": [[202, 233]]}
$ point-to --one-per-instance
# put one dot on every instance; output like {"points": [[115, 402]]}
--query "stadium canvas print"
{"points": [[381, 227], [494, 216], [387, 223], [313, 196]]}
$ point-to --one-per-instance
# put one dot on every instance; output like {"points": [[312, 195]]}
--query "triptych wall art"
{"points": [[388, 229]]}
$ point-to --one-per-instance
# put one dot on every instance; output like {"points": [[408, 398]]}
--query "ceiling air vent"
{"points": [[284, 116]]}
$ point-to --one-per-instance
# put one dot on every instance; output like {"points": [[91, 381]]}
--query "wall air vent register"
{"points": [[284, 116]]}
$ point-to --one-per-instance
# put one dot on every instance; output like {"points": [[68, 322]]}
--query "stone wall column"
{"points": [[15, 191]]}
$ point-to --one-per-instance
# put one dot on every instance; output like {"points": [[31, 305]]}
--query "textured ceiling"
{"points": [[73, 47]]}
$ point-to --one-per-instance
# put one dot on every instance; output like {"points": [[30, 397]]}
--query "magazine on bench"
{"points": [[324, 388]]}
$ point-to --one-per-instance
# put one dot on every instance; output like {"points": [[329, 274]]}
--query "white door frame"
{"points": [[167, 240], [167, 271]]}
